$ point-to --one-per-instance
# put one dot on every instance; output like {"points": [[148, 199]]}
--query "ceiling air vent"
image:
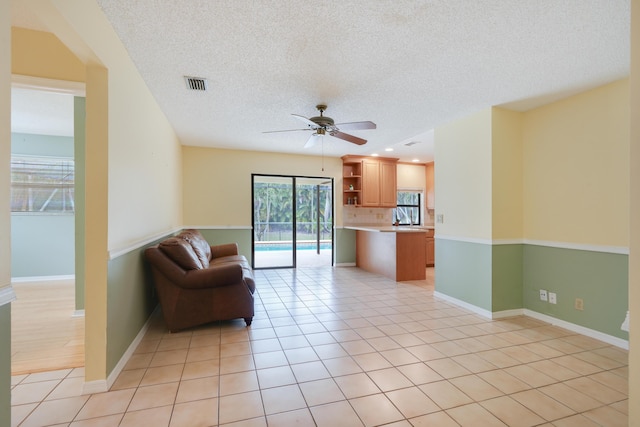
{"points": [[196, 83]]}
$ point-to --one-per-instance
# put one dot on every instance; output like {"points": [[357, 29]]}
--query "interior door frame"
{"points": [[294, 216]]}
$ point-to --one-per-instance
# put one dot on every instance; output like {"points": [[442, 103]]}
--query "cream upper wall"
{"points": [[144, 178], [40, 54], [576, 168], [506, 153], [463, 176], [217, 183]]}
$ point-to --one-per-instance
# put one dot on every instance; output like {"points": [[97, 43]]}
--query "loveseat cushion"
{"points": [[199, 244], [213, 277], [181, 252]]}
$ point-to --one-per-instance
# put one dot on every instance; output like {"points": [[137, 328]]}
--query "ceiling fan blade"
{"points": [[306, 121], [356, 125], [349, 138], [313, 140], [288, 130]]}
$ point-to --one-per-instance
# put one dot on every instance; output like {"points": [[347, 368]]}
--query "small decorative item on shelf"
{"points": [[349, 201], [355, 200], [350, 186]]}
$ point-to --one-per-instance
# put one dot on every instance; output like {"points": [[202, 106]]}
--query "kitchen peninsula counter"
{"points": [[395, 252]]}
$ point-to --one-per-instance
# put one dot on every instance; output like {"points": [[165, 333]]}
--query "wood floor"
{"points": [[44, 334]]}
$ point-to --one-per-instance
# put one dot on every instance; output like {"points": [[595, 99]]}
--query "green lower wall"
{"points": [[600, 279], [345, 246], [131, 299], [506, 270], [506, 277], [5, 365], [463, 271], [79, 154], [42, 245]]}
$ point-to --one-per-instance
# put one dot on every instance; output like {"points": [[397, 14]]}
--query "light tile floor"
{"points": [[342, 347]]}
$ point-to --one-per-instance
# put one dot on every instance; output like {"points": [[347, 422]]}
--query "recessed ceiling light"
{"points": [[375, 155], [415, 160], [388, 149]]}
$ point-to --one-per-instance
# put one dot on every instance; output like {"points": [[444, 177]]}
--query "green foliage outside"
{"points": [[273, 211], [408, 210]]}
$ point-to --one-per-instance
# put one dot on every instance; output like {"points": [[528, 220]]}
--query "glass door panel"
{"points": [[314, 222], [273, 219]]}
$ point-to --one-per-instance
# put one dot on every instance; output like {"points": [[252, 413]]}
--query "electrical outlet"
{"points": [[579, 305], [553, 298], [543, 295], [440, 218]]}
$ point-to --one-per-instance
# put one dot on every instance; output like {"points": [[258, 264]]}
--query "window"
{"points": [[40, 184], [408, 210]]}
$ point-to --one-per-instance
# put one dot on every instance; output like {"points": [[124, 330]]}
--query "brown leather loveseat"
{"points": [[198, 283]]}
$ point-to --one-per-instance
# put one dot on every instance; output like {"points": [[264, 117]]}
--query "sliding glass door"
{"points": [[288, 209]]}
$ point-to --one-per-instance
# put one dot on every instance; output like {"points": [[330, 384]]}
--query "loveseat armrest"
{"points": [[227, 249], [212, 277]]}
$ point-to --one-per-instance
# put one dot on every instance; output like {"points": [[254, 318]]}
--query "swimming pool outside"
{"points": [[287, 246]]}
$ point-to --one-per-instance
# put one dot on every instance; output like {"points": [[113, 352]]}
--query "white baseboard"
{"points": [[591, 333], [480, 311], [101, 386], [345, 264], [7, 295], [78, 313], [507, 313]]}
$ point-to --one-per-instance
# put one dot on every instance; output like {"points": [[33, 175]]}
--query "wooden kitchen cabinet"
{"points": [[388, 184], [352, 183], [431, 252], [378, 181], [370, 183]]}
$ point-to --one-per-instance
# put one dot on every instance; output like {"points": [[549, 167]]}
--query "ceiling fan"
{"points": [[323, 125]]}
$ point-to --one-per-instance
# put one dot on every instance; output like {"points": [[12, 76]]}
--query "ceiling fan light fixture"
{"points": [[322, 125]]}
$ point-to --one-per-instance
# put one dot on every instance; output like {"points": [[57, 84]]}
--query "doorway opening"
{"points": [[47, 328], [288, 210]]}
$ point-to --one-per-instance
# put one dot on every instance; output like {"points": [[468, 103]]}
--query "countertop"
{"points": [[391, 228]]}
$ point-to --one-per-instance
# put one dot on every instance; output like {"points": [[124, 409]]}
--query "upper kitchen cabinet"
{"points": [[378, 187], [431, 200], [352, 182]]}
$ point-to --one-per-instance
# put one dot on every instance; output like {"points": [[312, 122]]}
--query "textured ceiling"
{"points": [[407, 65]]}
